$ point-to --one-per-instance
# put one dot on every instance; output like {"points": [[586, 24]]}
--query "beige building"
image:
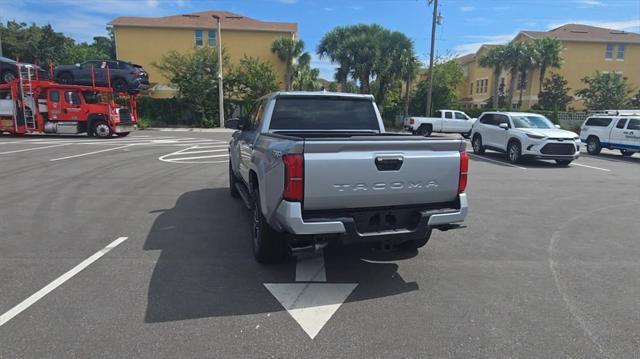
{"points": [[144, 40], [585, 50]]}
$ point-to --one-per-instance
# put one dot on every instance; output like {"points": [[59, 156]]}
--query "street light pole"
{"points": [[431, 53], [220, 80]]}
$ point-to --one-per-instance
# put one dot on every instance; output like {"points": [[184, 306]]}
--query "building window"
{"points": [[486, 85], [212, 38], [198, 35], [620, 53], [477, 86], [470, 88], [609, 53]]}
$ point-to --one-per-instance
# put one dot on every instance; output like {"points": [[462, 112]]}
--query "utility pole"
{"points": [[220, 80], [431, 53]]}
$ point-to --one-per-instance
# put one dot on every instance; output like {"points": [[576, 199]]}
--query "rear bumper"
{"points": [[345, 228]]}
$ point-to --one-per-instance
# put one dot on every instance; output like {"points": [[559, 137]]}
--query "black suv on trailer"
{"points": [[124, 76]]}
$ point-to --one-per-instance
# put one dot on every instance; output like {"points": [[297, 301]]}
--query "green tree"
{"points": [[395, 59], [305, 77], [547, 55], [605, 91], [518, 58], [287, 50], [409, 65], [356, 49], [554, 94], [250, 80], [634, 101], [195, 75], [526, 63], [494, 59], [446, 77]]}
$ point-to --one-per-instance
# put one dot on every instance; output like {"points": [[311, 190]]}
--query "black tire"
{"points": [[564, 163], [425, 130], [123, 134], [626, 153], [65, 78], [233, 191], [514, 151], [269, 246], [415, 244], [119, 85], [8, 76], [476, 143], [593, 145], [101, 129]]}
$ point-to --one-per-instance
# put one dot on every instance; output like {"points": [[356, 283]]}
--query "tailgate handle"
{"points": [[389, 163]]}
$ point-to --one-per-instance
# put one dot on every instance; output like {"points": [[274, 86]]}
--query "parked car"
{"points": [[447, 121], [9, 70], [618, 129], [317, 167], [522, 134], [124, 76]]}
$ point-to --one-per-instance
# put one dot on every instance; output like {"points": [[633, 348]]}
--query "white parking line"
{"points": [[4, 318], [592, 167], [33, 149], [193, 158], [473, 155], [206, 151], [89, 153]]}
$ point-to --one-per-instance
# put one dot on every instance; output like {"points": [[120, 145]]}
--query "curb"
{"points": [[182, 129]]}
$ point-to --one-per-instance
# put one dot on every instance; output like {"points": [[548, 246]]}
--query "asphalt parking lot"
{"points": [[132, 247]]}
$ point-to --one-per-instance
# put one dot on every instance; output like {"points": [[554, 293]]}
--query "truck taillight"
{"points": [[464, 171], [293, 177], [412, 121]]}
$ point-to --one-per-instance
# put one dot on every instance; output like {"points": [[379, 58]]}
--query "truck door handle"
{"points": [[389, 163]]}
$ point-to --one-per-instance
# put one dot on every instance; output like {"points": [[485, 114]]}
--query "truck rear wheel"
{"points": [[626, 153], [233, 190], [415, 243], [593, 145], [102, 130], [425, 130], [268, 245]]}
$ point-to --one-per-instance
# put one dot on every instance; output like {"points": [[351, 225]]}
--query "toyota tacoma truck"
{"points": [[318, 167]]}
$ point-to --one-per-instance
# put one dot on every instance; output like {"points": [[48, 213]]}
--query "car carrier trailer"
{"points": [[31, 105]]}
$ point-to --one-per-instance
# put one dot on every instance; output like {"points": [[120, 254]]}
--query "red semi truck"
{"points": [[31, 105]]}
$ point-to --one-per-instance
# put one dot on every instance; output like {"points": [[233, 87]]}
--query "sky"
{"points": [[466, 23]]}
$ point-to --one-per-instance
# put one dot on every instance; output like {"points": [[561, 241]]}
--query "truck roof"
{"points": [[321, 93]]}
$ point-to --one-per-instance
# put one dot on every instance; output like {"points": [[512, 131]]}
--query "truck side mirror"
{"points": [[77, 65], [233, 123], [557, 126], [504, 125]]}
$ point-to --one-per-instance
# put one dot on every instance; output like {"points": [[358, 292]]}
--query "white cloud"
{"points": [[590, 3], [470, 47], [289, 2], [328, 9], [356, 8], [467, 8], [624, 25]]}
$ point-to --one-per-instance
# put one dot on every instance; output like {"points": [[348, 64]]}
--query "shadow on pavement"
{"points": [[206, 266], [500, 159], [614, 157]]}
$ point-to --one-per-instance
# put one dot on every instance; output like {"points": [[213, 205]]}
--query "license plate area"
{"points": [[387, 220]]}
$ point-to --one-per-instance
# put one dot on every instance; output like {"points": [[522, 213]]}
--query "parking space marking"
{"points": [[33, 149], [4, 318], [197, 157], [473, 155], [592, 167], [204, 151], [88, 153]]}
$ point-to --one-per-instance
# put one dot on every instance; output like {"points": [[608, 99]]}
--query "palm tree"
{"points": [[514, 53], [395, 53], [547, 55], [495, 58], [331, 46], [526, 63], [288, 49], [409, 68]]}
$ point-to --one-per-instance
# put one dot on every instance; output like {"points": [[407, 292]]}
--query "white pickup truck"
{"points": [[448, 121]]}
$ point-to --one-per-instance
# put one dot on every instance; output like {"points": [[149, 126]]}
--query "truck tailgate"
{"points": [[380, 171]]}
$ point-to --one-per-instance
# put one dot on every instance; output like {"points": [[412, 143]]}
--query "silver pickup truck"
{"points": [[317, 167]]}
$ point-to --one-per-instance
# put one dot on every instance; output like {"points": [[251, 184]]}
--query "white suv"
{"points": [[522, 134], [613, 130]]}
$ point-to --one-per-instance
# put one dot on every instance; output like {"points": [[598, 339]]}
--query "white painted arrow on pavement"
{"points": [[310, 302]]}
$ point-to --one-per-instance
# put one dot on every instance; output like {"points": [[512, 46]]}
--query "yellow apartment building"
{"points": [[144, 40], [585, 50]]}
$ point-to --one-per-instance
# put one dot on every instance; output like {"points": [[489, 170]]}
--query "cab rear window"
{"points": [[323, 113], [598, 122]]}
